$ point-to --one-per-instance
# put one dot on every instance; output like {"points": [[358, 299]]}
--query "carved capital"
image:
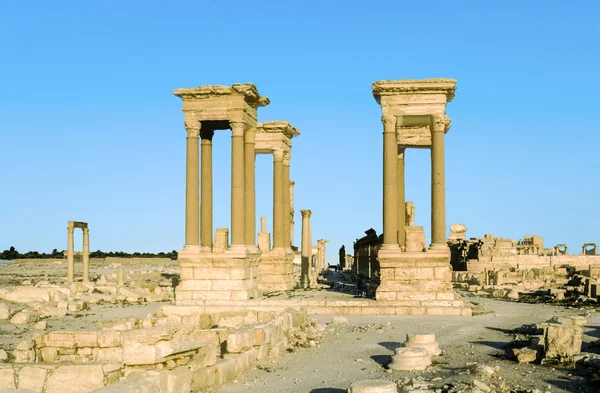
{"points": [[388, 120], [278, 154], [192, 124], [306, 213], [440, 123], [237, 128], [286, 158]]}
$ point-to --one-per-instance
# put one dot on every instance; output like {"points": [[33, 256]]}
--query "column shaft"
{"points": [[438, 188], [306, 248], [86, 255], [206, 207], [250, 187], [70, 247], [390, 180], [191, 188], [237, 185], [287, 209], [278, 200], [401, 199]]}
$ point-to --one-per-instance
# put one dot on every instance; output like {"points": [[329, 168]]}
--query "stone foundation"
{"points": [[276, 273], [421, 276], [223, 276]]}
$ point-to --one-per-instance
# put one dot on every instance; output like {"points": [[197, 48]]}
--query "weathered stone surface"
{"points": [[373, 386], [3, 356], [410, 358], [574, 320], [24, 317], [28, 294], [525, 355], [7, 379], [339, 320], [32, 378], [425, 341], [133, 384], [562, 340], [75, 379], [4, 312]]}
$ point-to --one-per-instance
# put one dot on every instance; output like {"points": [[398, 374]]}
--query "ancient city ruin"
{"points": [[237, 299]]}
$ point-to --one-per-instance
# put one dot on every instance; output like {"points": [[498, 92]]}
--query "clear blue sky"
{"points": [[90, 129]]}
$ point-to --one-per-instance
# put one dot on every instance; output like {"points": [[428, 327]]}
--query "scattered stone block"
{"points": [[373, 386], [4, 312], [339, 320], [525, 355], [562, 340], [42, 325], [24, 317]]}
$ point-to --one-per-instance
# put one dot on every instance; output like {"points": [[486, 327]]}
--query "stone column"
{"points": [[120, 276], [238, 241], [287, 243], [438, 187], [292, 212], [206, 208], [306, 249], [401, 198], [191, 185], [390, 180], [278, 242], [70, 247], [86, 255], [250, 188]]}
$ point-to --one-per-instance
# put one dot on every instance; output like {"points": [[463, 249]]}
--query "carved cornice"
{"points": [[445, 86], [278, 126], [248, 90]]}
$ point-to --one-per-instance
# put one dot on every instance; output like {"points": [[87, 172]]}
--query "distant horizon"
{"points": [[91, 130]]}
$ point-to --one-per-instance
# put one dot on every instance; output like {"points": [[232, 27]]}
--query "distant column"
{"points": [[70, 247], [278, 199], [438, 187], [306, 251], [238, 240], [390, 180], [292, 212], [287, 242], [401, 198], [120, 276], [86, 255], [191, 185], [250, 188], [206, 207]]}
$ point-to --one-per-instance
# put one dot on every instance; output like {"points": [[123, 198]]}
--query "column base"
{"points": [[438, 246], [231, 275]]}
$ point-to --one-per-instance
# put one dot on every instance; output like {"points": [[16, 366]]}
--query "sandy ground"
{"points": [[360, 351]]}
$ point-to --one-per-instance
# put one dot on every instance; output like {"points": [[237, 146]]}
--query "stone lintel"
{"points": [[278, 126], [77, 224], [268, 143], [444, 86], [247, 90]]}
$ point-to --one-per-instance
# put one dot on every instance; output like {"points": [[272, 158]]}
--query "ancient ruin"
{"points": [[85, 254]]}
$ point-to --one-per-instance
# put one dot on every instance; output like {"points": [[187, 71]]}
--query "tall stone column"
{"points": [[192, 177], [278, 242], [70, 248], [306, 251], [238, 241], [206, 208], [438, 186], [390, 180], [86, 255], [401, 198], [250, 188], [292, 212], [287, 221]]}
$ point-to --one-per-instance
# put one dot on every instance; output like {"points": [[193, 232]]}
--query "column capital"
{"points": [[237, 127], [306, 213], [207, 135], [389, 121], [440, 123], [192, 124], [286, 158], [278, 154]]}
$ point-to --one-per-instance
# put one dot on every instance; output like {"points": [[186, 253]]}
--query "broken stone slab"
{"points": [[525, 355], [574, 320], [24, 317], [339, 320], [75, 379], [28, 294], [410, 358], [425, 341], [562, 340], [372, 386]]}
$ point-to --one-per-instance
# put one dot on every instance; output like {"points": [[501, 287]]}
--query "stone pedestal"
{"points": [[230, 275], [424, 276], [415, 239], [276, 272], [410, 358], [425, 341]]}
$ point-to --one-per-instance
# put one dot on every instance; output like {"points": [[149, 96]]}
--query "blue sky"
{"points": [[90, 129]]}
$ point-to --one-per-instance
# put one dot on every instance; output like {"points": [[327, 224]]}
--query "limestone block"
{"points": [[4, 312], [225, 370], [3, 356], [52, 311], [240, 341], [7, 378], [59, 339], [77, 305], [85, 339], [178, 380], [221, 240], [373, 386], [575, 320], [24, 317], [264, 242], [32, 378], [107, 355], [133, 384], [75, 379], [425, 341], [130, 295], [28, 294], [458, 231], [562, 340], [415, 239], [410, 358], [525, 355], [107, 339]]}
